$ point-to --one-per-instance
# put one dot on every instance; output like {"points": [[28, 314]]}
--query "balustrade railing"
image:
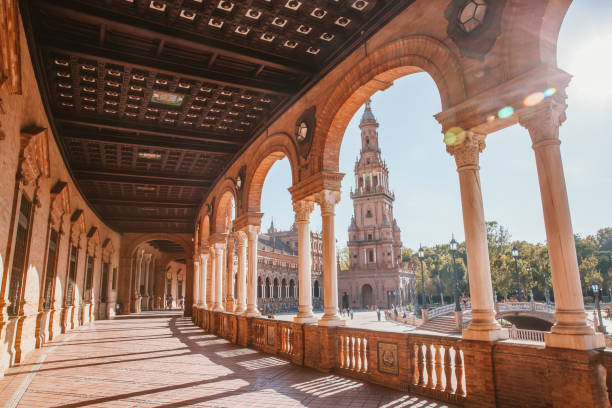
{"points": [[259, 333], [438, 366], [287, 340], [441, 311], [526, 335], [353, 348]]}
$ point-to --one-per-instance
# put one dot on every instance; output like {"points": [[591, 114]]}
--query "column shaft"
{"points": [[483, 326], [327, 200], [571, 329], [252, 232], [213, 277], [303, 209], [242, 272], [229, 305], [219, 252], [202, 279]]}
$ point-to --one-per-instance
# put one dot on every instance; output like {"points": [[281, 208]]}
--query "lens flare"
{"points": [[550, 92], [454, 136], [533, 99], [505, 112]]}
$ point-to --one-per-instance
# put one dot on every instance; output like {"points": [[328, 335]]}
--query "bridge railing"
{"points": [[526, 335], [444, 310]]}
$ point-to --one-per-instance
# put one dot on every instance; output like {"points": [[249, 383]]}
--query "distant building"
{"points": [[277, 281], [375, 275]]}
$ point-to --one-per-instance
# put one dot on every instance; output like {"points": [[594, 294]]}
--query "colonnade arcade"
{"points": [[316, 181]]}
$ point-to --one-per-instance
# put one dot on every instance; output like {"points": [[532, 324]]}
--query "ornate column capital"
{"points": [[467, 152], [303, 209], [251, 230], [543, 120], [204, 257], [241, 237], [327, 200]]}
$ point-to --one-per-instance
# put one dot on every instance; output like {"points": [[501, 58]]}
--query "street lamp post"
{"points": [[453, 248], [515, 255], [601, 327], [421, 255]]}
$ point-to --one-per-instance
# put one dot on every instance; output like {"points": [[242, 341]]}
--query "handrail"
{"points": [[527, 335]]}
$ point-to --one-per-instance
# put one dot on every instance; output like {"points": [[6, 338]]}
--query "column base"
{"points": [[331, 321], [485, 335], [575, 341], [251, 314], [305, 319], [240, 310], [219, 309]]}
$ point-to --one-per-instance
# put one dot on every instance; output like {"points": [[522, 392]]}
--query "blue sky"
{"points": [[423, 175]]}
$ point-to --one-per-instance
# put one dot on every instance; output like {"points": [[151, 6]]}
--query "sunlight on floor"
{"points": [[260, 363]]}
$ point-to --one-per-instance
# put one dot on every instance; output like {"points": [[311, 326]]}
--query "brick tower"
{"points": [[375, 276]]}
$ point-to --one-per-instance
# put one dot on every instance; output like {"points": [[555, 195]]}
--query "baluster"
{"points": [[438, 364], [362, 356], [448, 387], [366, 354], [350, 354], [460, 390], [421, 364], [414, 361], [358, 343], [340, 352], [429, 362]]}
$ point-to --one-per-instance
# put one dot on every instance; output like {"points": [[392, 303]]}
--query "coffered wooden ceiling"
{"points": [[150, 100]]}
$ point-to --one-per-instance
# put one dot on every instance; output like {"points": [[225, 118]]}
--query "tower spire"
{"points": [[368, 116]]}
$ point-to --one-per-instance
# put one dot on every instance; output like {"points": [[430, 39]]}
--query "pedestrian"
{"points": [[378, 314], [351, 312]]}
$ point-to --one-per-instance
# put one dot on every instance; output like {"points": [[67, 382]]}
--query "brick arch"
{"points": [[225, 198], [533, 32], [204, 230], [144, 238], [274, 148], [376, 72]]}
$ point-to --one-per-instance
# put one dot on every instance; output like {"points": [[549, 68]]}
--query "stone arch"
{"points": [[367, 295], [276, 147], [139, 239], [531, 39], [223, 211], [204, 230], [376, 72]]}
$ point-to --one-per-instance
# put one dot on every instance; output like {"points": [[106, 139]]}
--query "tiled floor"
{"points": [[163, 360]]}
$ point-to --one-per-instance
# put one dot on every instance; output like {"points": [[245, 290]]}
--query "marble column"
{"points": [[196, 281], [327, 200], [241, 238], [202, 301], [483, 325], [219, 269], [252, 234], [229, 296], [303, 209], [571, 329], [213, 275], [147, 271]]}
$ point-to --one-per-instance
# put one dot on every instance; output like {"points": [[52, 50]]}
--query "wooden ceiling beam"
{"points": [[129, 178], [154, 32], [141, 203], [147, 176], [175, 145], [142, 129], [149, 219]]}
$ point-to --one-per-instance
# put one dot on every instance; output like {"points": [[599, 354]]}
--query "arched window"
{"points": [[316, 289], [291, 288], [276, 291], [268, 287], [259, 287], [284, 293], [369, 214]]}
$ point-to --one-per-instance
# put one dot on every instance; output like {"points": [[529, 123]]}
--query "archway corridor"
{"points": [[160, 359]]}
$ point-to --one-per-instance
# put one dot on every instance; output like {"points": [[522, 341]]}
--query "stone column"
{"points": [[147, 271], [571, 329], [252, 233], [202, 304], [327, 200], [241, 237], [219, 253], [483, 326], [196, 281], [303, 209], [229, 304], [210, 302]]}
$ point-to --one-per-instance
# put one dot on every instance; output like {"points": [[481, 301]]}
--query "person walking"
{"points": [[378, 314]]}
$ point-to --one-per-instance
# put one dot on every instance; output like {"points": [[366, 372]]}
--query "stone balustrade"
{"points": [[526, 335], [446, 368]]}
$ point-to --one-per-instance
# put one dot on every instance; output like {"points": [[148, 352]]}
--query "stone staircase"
{"points": [[446, 324]]}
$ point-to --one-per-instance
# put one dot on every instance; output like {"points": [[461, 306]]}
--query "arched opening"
{"points": [[268, 288], [259, 287], [366, 296], [284, 289], [292, 289], [315, 287], [276, 290]]}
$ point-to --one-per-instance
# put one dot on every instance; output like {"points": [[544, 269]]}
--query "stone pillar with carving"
{"points": [[483, 325], [253, 234], [229, 295], [571, 329], [242, 239], [219, 270], [327, 200], [203, 275], [210, 301], [196, 287], [303, 209]]}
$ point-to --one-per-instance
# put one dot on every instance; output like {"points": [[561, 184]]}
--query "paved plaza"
{"points": [[163, 360]]}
